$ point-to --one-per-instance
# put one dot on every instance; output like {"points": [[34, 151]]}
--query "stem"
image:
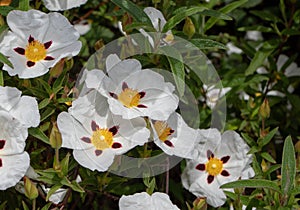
{"points": [[57, 156], [34, 204], [167, 175]]}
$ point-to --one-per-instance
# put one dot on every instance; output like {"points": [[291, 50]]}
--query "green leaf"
{"points": [[173, 21], [37, 133], [3, 59], [65, 164], [207, 44], [266, 15], [259, 57], [268, 157], [1, 79], [47, 113], [257, 28], [252, 183], [136, 12], [288, 169], [74, 185], [228, 8], [44, 103], [24, 5], [53, 190], [175, 60], [4, 10], [215, 13], [3, 205], [47, 206], [46, 86], [25, 207], [267, 138]]}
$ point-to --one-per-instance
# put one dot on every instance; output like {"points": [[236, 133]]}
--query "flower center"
{"points": [[35, 51], [102, 139], [129, 97], [162, 130], [214, 166]]}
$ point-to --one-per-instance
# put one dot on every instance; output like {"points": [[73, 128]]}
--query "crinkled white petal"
{"points": [[88, 159], [143, 201], [214, 94], [292, 70], [156, 17], [183, 139], [94, 78], [111, 61], [27, 112], [59, 5], [83, 27], [13, 133], [9, 97], [13, 169], [233, 49]]}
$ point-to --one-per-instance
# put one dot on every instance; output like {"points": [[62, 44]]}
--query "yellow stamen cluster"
{"points": [[129, 97], [35, 51], [214, 166], [162, 130], [102, 139]]}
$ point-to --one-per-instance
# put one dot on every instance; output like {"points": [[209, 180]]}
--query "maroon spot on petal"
{"points": [[114, 130], [98, 152], [225, 159], [30, 63], [2, 143], [225, 173], [113, 95], [172, 131], [86, 139], [200, 167], [116, 145], [0, 162], [48, 58], [124, 86], [210, 179], [94, 126], [20, 50], [142, 106], [210, 154], [47, 44], [30, 39], [142, 94], [167, 142]]}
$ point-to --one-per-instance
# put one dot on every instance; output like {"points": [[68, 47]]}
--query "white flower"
{"points": [[292, 70], [17, 114], [233, 49], [144, 201], [83, 27], [95, 135], [253, 35], [133, 92], [213, 95], [221, 159], [37, 41], [58, 5], [174, 136], [158, 21]]}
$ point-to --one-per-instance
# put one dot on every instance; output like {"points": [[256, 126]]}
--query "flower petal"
{"points": [[58, 5], [9, 97]]}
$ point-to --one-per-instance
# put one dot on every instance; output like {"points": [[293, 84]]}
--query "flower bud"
{"points": [[31, 191], [264, 110], [55, 137], [189, 27], [56, 70], [199, 204]]}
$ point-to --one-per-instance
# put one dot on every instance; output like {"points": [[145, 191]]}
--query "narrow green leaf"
{"points": [[207, 44], [288, 169], [273, 168], [65, 164], [267, 138], [47, 113], [173, 21], [215, 13], [136, 12], [25, 207], [266, 15], [228, 8], [259, 57], [44, 103], [252, 183], [268, 157], [1, 79], [24, 5], [4, 10], [257, 28], [74, 185], [47, 206], [53, 190], [37, 133], [3, 59]]}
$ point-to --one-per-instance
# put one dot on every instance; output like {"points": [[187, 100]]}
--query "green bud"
{"points": [[189, 27], [199, 204], [55, 137], [264, 109], [31, 191], [56, 70]]}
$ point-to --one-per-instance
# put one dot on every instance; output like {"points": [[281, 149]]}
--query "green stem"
{"points": [[34, 204]]}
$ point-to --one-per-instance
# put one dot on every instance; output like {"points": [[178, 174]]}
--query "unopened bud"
{"points": [[189, 27], [56, 70], [199, 204], [99, 44], [31, 191], [55, 137], [264, 110]]}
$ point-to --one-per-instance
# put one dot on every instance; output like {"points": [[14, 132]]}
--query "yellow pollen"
{"points": [[169, 38], [102, 139], [214, 166], [129, 97], [35, 51], [162, 130]]}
